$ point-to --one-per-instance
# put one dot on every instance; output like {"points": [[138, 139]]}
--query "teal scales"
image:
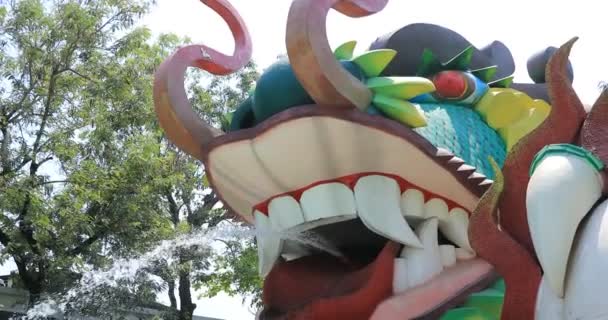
{"points": [[462, 131]]}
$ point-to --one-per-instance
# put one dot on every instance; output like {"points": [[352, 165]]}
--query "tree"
{"points": [[86, 176], [78, 148]]}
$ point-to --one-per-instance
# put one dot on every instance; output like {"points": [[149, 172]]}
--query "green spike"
{"points": [[464, 314], [485, 74], [400, 87], [502, 83], [488, 301], [430, 64], [400, 110], [461, 61], [345, 51], [373, 62]]}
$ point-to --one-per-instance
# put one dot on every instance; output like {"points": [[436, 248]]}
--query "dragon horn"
{"points": [[561, 126], [175, 114], [595, 130], [311, 57]]}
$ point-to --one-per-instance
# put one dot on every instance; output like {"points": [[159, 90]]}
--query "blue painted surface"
{"points": [[462, 131]]}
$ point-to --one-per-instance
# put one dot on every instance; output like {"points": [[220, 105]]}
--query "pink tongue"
{"points": [[321, 287], [446, 290]]}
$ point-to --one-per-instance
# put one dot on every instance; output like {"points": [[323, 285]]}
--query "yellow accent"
{"points": [[345, 51], [502, 107], [373, 62], [539, 111], [512, 113], [400, 110], [400, 87]]}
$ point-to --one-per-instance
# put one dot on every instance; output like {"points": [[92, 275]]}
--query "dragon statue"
{"points": [[413, 181]]}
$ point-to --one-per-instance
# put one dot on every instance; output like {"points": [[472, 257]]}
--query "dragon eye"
{"points": [[457, 87], [453, 85]]}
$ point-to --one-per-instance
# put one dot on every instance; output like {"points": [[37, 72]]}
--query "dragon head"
{"points": [[375, 181]]}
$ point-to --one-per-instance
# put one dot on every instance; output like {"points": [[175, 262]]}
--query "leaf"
{"points": [[373, 62], [485, 74], [345, 51], [400, 110], [430, 64], [400, 87], [502, 83]]}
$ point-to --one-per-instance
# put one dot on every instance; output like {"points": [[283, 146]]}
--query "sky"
{"points": [[526, 27]]}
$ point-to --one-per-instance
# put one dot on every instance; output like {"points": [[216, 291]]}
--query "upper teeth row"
{"points": [[376, 200]]}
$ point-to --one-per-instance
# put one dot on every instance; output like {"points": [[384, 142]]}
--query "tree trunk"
{"points": [[172, 298], [35, 290], [185, 298], [31, 281]]}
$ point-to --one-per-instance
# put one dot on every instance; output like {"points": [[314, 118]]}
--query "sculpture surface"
{"points": [[412, 181]]}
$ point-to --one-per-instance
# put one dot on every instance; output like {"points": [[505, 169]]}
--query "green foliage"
{"points": [[86, 175], [79, 158], [236, 273]]}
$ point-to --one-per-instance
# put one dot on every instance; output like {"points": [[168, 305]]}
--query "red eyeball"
{"points": [[450, 84]]}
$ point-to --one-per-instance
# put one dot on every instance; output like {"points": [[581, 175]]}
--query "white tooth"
{"points": [[285, 213], [400, 276], [464, 254], [562, 189], [455, 227], [328, 200], [423, 264], [436, 208], [293, 250], [268, 241], [377, 199], [448, 255], [412, 203]]}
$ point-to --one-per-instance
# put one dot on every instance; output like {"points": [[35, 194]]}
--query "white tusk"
{"points": [[269, 243], [562, 190], [378, 202]]}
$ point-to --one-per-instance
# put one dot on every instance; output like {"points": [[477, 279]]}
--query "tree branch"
{"points": [[46, 114], [4, 239], [81, 75], [25, 227], [23, 163], [4, 150], [110, 20], [171, 292], [88, 242], [210, 200], [51, 182], [173, 207], [49, 158]]}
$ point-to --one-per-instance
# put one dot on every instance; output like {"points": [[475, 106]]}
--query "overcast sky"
{"points": [[524, 26]]}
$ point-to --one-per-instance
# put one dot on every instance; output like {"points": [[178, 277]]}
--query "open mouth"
{"points": [[352, 211], [341, 237]]}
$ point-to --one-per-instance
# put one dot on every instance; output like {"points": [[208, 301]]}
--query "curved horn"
{"points": [[595, 130], [175, 114], [561, 126], [311, 56], [512, 261]]}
